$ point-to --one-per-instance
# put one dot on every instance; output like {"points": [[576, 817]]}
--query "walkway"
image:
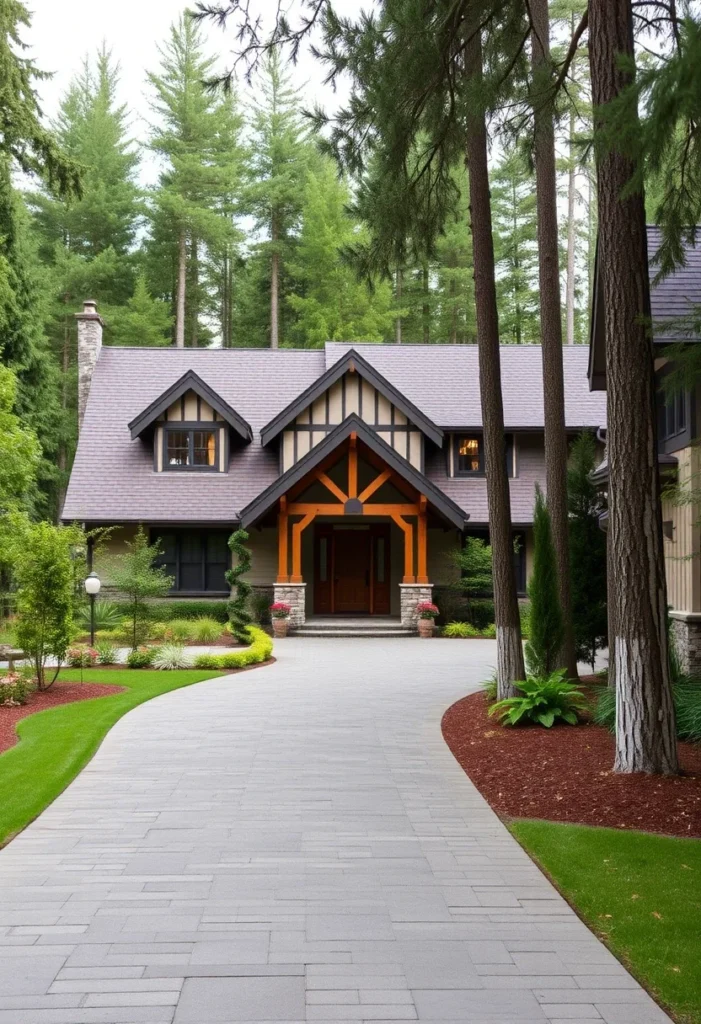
{"points": [[294, 844]]}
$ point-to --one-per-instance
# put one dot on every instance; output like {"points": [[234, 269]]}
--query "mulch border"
{"points": [[58, 695]]}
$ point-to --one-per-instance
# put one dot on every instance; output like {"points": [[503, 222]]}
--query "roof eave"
{"points": [[190, 381]]}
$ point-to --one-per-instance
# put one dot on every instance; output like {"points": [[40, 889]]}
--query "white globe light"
{"points": [[92, 584]]}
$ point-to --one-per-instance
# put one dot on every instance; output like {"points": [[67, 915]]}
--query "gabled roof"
{"points": [[351, 361], [190, 382], [673, 300], [353, 424]]}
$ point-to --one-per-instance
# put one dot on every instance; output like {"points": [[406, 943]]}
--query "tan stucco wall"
{"points": [[682, 552], [116, 544]]}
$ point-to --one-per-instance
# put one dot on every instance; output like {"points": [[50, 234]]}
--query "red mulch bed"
{"points": [[60, 693], [564, 774]]}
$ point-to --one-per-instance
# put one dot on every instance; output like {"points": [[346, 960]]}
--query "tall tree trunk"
{"points": [[571, 232], [194, 300], [224, 317], [62, 447], [182, 278], [425, 309], [556, 452], [591, 236], [645, 723], [509, 647], [399, 280], [274, 288]]}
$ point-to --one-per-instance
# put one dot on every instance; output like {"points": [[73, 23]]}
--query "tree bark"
{"points": [[182, 278], [510, 666], [274, 288], [645, 722], [398, 291], [425, 309], [571, 233], [556, 452], [194, 326]]}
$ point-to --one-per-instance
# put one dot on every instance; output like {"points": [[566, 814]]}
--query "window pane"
{"points": [[681, 411], [168, 559], [218, 559], [205, 447], [178, 448], [469, 455], [191, 562]]}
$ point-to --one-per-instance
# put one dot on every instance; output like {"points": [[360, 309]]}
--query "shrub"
{"points": [[136, 573], [165, 611], [426, 610], [481, 612], [206, 631], [260, 650], [14, 689], [547, 627], [544, 701], [491, 688], [490, 631], [260, 605], [475, 565], [461, 630], [604, 711], [106, 654], [158, 630], [110, 636], [687, 702], [81, 656], [108, 615], [140, 657], [524, 611], [179, 630], [235, 577], [171, 656]]}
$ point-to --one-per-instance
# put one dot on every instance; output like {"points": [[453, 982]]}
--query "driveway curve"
{"points": [[294, 844]]}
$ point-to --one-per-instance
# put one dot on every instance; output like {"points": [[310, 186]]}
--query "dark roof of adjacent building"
{"points": [[675, 302], [113, 477]]}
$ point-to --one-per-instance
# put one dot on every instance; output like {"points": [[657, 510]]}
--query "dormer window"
{"points": [[192, 448]]}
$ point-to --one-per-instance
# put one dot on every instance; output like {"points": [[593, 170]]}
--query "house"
{"points": [[357, 470], [675, 304]]}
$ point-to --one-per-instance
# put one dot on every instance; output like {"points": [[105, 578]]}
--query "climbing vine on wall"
{"points": [[238, 605]]}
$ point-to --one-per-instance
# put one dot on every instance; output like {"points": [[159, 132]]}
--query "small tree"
{"points": [[547, 625], [475, 564], [136, 575], [587, 552], [238, 605], [43, 574]]}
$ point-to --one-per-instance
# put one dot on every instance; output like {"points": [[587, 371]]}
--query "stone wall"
{"points": [[686, 636], [294, 594], [411, 595], [89, 345]]}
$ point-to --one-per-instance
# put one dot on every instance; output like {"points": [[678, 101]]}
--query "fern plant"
{"points": [[238, 606], [544, 701]]}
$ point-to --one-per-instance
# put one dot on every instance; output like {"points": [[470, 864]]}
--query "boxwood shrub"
{"points": [[260, 650]]}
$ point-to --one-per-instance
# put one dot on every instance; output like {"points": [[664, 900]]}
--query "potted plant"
{"points": [[280, 614], [427, 613]]}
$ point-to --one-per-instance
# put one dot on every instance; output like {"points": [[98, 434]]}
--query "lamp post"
{"points": [[92, 589]]}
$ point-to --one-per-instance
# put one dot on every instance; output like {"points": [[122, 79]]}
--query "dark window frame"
{"points": [[206, 565], [191, 428], [680, 404], [475, 436]]}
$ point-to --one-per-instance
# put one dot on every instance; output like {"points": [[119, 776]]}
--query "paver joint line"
{"points": [[295, 845]]}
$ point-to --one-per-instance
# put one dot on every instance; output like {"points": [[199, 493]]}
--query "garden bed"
{"points": [[59, 693], [565, 774]]}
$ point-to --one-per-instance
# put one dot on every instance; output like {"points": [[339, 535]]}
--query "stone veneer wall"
{"points": [[686, 636], [294, 594], [89, 345], [411, 595]]}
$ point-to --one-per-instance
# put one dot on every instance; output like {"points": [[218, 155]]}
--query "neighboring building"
{"points": [[357, 471], [675, 303]]}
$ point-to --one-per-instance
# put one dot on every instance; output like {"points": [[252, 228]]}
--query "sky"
{"points": [[63, 32]]}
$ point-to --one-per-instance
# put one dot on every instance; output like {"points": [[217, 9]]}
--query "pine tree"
{"points": [[197, 137], [546, 622], [143, 320], [587, 551], [276, 189], [516, 252], [454, 304]]}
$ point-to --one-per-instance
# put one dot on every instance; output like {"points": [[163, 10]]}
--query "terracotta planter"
{"points": [[280, 627], [425, 628]]}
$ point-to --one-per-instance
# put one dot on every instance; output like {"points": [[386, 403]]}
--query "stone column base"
{"points": [[294, 594], [686, 637], [410, 595]]}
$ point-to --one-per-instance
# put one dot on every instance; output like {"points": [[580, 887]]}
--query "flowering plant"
{"points": [[14, 689], [81, 656], [280, 609], [426, 610]]}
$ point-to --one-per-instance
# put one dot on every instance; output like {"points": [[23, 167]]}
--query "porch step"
{"points": [[377, 628]]}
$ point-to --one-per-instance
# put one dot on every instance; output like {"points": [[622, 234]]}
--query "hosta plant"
{"points": [[543, 701], [171, 656]]}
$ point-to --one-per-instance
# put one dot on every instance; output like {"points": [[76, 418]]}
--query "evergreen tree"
{"points": [[276, 189], [546, 623], [144, 320], [329, 302], [197, 137], [515, 248], [587, 552], [454, 309]]}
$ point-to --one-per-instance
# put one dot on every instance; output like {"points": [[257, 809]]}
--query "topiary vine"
{"points": [[238, 605]]}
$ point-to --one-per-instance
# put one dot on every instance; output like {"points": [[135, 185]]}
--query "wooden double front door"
{"points": [[351, 570]]}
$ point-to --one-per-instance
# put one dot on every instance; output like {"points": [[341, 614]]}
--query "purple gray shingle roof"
{"points": [[113, 478]]}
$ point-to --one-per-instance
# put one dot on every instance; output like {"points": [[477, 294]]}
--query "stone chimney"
{"points": [[89, 344]]}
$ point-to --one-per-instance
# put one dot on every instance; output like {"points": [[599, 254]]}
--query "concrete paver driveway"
{"points": [[295, 843]]}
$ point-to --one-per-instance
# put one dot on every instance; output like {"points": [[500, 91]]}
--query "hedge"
{"points": [[164, 611], [260, 650]]}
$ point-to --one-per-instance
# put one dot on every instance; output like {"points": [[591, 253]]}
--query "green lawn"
{"points": [[641, 893], [55, 744]]}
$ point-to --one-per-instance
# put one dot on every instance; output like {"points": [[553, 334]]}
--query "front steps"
{"points": [[377, 627]]}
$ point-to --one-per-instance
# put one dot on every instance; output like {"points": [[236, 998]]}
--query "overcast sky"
{"points": [[64, 31]]}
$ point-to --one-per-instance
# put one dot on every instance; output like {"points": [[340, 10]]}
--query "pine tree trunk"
{"points": [[274, 288], [425, 309], [509, 647], [556, 452], [194, 326], [398, 290], [571, 233], [182, 277], [645, 722]]}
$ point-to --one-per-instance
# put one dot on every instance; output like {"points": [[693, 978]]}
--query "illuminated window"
{"points": [[469, 455], [191, 449]]}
